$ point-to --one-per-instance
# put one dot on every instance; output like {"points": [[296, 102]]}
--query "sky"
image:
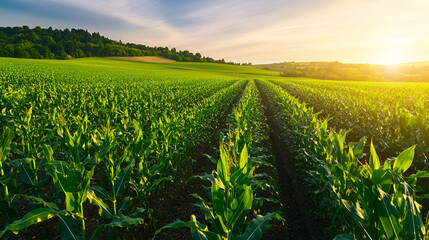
{"points": [[257, 31]]}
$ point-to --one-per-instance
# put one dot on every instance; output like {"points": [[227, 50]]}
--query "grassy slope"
{"points": [[151, 59], [116, 69]]}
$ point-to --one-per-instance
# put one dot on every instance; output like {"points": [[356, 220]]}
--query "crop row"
{"points": [[393, 115], [363, 200], [234, 184]]}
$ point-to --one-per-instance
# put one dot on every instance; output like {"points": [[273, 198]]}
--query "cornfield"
{"points": [[112, 136]]}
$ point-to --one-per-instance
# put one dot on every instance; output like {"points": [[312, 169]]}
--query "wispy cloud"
{"points": [[252, 30]]}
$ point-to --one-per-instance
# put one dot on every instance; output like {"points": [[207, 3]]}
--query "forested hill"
{"points": [[23, 42]]}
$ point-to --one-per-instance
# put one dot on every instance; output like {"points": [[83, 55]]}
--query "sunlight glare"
{"points": [[392, 54]]}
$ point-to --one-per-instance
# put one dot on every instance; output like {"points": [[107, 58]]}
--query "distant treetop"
{"points": [[48, 43]]}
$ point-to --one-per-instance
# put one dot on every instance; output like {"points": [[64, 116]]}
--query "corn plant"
{"points": [[5, 143], [231, 199], [8, 200], [73, 178]]}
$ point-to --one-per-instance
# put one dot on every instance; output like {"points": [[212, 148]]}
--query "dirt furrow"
{"points": [[175, 201], [301, 222]]}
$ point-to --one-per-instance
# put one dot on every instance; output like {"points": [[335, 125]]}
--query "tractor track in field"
{"points": [[301, 222]]}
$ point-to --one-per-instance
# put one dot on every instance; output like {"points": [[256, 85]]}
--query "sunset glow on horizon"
{"points": [[378, 32]]}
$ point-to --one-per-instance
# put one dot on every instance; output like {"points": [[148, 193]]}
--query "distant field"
{"points": [[149, 59], [108, 147], [405, 72], [414, 64]]}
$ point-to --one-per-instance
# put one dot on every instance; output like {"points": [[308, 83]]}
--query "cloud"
{"points": [[252, 30]]}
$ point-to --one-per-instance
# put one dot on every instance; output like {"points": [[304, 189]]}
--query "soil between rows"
{"points": [[299, 207]]}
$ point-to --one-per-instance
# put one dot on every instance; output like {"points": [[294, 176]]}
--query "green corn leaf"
{"points": [[104, 209], [31, 218], [358, 148], [41, 201], [238, 176], [422, 174], [48, 152], [71, 201], [413, 223], [257, 227], [237, 212], [354, 210], [244, 157], [198, 234], [68, 227], [198, 230], [59, 173], [124, 221], [212, 159], [222, 166], [404, 160], [388, 216], [201, 231], [124, 204], [247, 197], [123, 178], [174, 225], [218, 199], [385, 179], [26, 174], [208, 212], [7, 178], [5, 141], [86, 181], [204, 176], [118, 221], [345, 237], [241, 205], [100, 192], [374, 161]]}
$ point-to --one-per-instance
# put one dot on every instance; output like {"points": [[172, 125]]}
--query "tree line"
{"points": [[48, 43]]}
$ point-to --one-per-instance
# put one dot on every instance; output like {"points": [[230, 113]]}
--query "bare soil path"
{"points": [[301, 222], [149, 59]]}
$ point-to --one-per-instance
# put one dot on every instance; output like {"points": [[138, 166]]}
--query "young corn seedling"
{"points": [[388, 207], [8, 201], [119, 178], [72, 177], [5, 143], [146, 177]]}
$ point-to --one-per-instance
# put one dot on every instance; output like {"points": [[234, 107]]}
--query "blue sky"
{"points": [[373, 31]]}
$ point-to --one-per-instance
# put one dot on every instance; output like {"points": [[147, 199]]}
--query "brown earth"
{"points": [[149, 59], [299, 207], [182, 68]]}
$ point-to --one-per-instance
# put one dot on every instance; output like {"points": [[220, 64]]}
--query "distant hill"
{"points": [[415, 64], [23, 42], [406, 72]]}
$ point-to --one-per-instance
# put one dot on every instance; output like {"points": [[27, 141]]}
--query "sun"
{"points": [[392, 56], [391, 53]]}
